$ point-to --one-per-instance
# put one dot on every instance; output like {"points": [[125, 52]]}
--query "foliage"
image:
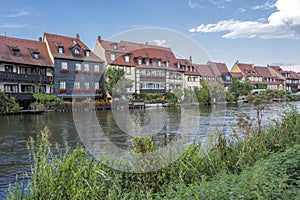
{"points": [[261, 166], [171, 98], [190, 96], [218, 93], [45, 100], [203, 94], [260, 86], [116, 83], [7, 104], [238, 88]]}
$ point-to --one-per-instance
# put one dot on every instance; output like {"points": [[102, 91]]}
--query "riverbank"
{"points": [[264, 165]]}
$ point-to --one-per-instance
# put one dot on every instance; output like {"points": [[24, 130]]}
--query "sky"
{"points": [[258, 31]]}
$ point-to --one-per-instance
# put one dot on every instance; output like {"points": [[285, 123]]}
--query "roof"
{"points": [[237, 75], [294, 75], [26, 49], [205, 70], [125, 47], [247, 68], [54, 41], [218, 68], [264, 72]]}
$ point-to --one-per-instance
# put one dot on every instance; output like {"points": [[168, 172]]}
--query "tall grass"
{"points": [[242, 169]]}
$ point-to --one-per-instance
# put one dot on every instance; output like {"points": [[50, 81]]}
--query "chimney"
{"points": [[191, 58], [77, 36], [40, 39], [99, 38], [146, 43]]}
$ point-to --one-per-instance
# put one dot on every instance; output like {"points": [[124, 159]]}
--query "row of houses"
{"points": [[66, 67]]}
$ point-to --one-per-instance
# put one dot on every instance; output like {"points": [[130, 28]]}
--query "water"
{"points": [[16, 130]]}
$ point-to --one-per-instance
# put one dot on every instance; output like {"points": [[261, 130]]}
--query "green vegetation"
{"points": [[203, 94], [238, 89], [116, 83], [253, 166], [43, 101], [7, 105]]}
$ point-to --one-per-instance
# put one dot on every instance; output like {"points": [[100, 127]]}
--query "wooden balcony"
{"points": [[24, 78]]}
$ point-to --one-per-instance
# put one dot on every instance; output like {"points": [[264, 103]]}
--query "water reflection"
{"points": [[15, 131]]}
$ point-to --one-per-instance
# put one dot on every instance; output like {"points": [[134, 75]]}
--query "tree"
{"points": [[203, 94], [238, 88], [116, 83], [218, 93], [171, 98], [7, 104]]}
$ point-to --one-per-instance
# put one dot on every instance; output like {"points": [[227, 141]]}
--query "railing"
{"points": [[152, 78], [25, 78], [20, 96], [153, 91]]}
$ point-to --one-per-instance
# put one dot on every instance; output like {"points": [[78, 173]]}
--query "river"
{"points": [[15, 131]]}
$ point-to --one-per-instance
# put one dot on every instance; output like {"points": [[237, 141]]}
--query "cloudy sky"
{"points": [[257, 31]]}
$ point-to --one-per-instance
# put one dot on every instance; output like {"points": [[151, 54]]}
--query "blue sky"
{"points": [[257, 31]]}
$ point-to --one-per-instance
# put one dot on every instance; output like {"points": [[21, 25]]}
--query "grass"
{"points": [[263, 166]]}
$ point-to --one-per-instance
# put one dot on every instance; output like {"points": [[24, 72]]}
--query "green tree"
{"points": [[171, 98], [238, 88], [218, 93], [7, 104], [203, 94], [116, 83]]}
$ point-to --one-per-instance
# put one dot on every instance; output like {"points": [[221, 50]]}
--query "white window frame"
{"points": [[77, 85], [128, 70], [86, 67], [112, 57], [86, 85], [96, 68], [96, 85], [78, 66], [60, 50], [127, 58], [64, 65], [62, 85]]}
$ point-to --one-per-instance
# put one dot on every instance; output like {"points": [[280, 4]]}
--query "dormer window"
{"points": [[15, 51], [167, 64], [115, 46], [123, 47], [127, 58], [87, 53], [147, 61], [60, 50], [159, 63], [112, 57], [36, 55], [139, 61], [178, 65], [77, 52]]}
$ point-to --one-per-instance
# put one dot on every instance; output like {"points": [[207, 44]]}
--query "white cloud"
{"points": [[19, 14], [242, 10], [283, 23], [158, 42], [194, 5], [267, 5], [12, 25]]}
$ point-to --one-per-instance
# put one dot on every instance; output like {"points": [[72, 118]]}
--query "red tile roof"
{"points": [[237, 75], [218, 68], [67, 43], [205, 70], [247, 68], [26, 47], [263, 72], [293, 75]]}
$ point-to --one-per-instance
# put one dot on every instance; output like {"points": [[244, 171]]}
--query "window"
{"points": [[8, 68], [191, 69], [43, 72], [27, 88], [86, 85], [36, 55], [139, 61], [112, 57], [178, 65], [167, 64], [96, 85], [86, 67], [78, 67], [128, 70], [11, 88], [115, 47], [147, 61], [159, 63], [60, 50], [22, 70], [127, 58], [64, 65], [87, 53], [77, 85], [15, 51], [42, 89], [96, 68], [77, 52], [62, 85]]}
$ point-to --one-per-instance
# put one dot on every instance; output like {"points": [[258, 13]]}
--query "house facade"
{"points": [[78, 72], [221, 73], [152, 69], [25, 68]]}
